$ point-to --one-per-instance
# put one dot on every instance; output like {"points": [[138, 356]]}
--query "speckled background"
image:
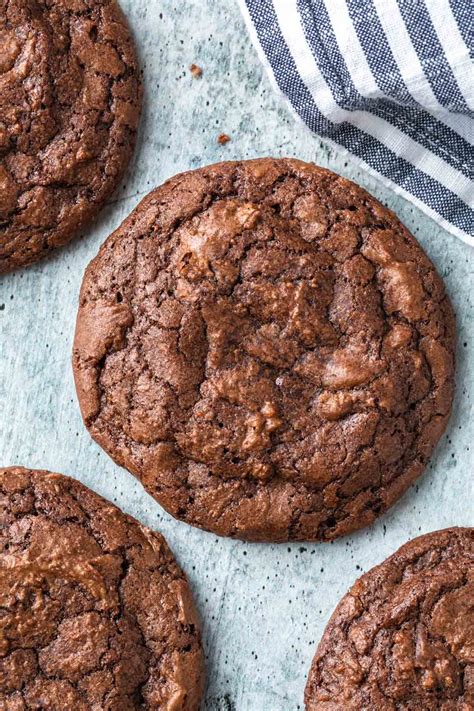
{"points": [[263, 607]]}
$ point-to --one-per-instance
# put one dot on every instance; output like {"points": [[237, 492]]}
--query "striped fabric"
{"points": [[391, 81]]}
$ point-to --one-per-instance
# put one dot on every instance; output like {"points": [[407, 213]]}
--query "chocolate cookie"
{"points": [[402, 639], [95, 613], [69, 107], [267, 349]]}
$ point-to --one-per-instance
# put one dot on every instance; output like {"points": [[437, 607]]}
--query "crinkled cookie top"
{"points": [[69, 107], [402, 639], [267, 349], [95, 613]]}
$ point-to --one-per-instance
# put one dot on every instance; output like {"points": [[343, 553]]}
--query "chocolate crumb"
{"points": [[195, 71]]}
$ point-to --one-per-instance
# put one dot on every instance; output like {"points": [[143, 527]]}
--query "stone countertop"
{"points": [[263, 607]]}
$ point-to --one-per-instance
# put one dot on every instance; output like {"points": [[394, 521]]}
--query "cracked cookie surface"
{"points": [[69, 107], [267, 349], [403, 637], [96, 614]]}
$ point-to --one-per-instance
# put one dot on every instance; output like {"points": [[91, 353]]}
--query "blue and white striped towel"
{"points": [[391, 81]]}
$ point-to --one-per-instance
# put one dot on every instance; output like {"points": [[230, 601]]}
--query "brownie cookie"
{"points": [[69, 107], [95, 613], [267, 349], [402, 639]]}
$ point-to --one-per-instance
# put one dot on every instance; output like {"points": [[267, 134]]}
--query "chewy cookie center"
{"points": [[261, 306], [260, 354]]}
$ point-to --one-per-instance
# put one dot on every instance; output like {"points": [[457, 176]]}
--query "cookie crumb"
{"points": [[195, 71], [223, 139]]}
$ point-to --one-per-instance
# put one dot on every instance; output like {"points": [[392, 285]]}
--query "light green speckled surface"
{"points": [[263, 606]]}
